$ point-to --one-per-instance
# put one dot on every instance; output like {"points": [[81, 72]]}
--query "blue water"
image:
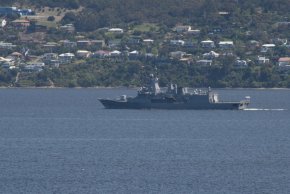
{"points": [[63, 141]]}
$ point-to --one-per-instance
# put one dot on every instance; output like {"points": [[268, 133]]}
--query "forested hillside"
{"points": [[258, 30], [99, 13]]}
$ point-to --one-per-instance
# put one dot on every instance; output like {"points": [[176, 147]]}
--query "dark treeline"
{"points": [[100, 13]]}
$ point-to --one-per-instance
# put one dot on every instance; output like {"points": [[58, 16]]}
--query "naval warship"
{"points": [[151, 96]]}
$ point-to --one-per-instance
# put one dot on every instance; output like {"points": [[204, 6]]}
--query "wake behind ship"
{"points": [[151, 97]]}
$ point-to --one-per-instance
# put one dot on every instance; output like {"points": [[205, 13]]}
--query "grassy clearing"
{"points": [[146, 27]]}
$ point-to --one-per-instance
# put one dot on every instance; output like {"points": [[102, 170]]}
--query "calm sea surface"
{"points": [[64, 141]]}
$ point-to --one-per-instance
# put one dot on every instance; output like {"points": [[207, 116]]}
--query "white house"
{"points": [[148, 41], [210, 55], [116, 30], [193, 32], [83, 53], [115, 53], [263, 60], [133, 53], [207, 44], [267, 47], [177, 42], [226, 44], [49, 56], [66, 58], [241, 63]]}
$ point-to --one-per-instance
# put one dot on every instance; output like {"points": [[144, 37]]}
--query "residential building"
{"points": [[148, 41], [226, 45], [66, 58], [21, 24], [263, 60], [210, 55], [98, 44], [177, 42], [83, 43], [49, 56], [115, 53], [241, 63], [83, 53], [267, 47], [193, 32], [284, 62], [116, 30], [207, 44], [101, 54]]}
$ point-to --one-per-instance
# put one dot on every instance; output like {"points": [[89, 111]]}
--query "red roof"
{"points": [[284, 59]]}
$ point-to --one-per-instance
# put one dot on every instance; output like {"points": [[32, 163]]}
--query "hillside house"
{"points": [[263, 60], [115, 53], [193, 32], [284, 62], [83, 43], [253, 44], [224, 45], [98, 44], [267, 47], [116, 30], [49, 56], [50, 46], [66, 58], [241, 63], [177, 42], [181, 29], [101, 54], [207, 44], [148, 41], [21, 24], [51, 59], [83, 53], [210, 55]]}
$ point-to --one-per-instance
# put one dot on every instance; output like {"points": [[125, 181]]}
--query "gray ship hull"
{"points": [[115, 104]]}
